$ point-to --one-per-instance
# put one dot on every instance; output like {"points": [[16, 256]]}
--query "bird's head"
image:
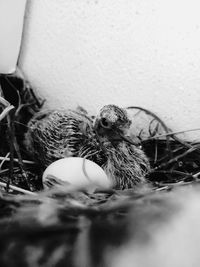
{"points": [[112, 123]]}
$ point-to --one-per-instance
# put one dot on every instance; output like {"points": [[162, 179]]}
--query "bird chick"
{"points": [[126, 162], [62, 133]]}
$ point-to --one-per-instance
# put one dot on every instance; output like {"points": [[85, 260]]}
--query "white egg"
{"points": [[79, 172]]}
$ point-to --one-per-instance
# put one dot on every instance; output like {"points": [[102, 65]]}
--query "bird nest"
{"points": [[34, 220]]}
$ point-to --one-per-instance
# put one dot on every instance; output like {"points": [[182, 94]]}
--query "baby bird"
{"points": [[67, 133]]}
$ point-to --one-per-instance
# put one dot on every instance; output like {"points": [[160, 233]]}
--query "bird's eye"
{"points": [[105, 123]]}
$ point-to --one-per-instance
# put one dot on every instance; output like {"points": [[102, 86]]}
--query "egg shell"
{"points": [[79, 172]]}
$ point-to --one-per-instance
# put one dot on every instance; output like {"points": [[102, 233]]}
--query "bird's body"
{"points": [[62, 133]]}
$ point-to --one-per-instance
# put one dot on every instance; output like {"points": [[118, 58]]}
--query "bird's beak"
{"points": [[96, 125], [128, 140]]}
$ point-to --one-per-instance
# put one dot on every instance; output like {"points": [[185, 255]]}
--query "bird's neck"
{"points": [[108, 141], [109, 137]]}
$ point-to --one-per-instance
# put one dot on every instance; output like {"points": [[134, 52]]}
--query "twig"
{"points": [[175, 172], [156, 153], [11, 147], [4, 159], [14, 146], [5, 112], [195, 176], [173, 151], [16, 169], [4, 102], [17, 160], [165, 128], [170, 134], [20, 161], [174, 159], [18, 189], [4, 171]]}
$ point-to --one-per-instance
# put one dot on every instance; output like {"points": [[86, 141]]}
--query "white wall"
{"points": [[11, 27], [127, 52]]}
